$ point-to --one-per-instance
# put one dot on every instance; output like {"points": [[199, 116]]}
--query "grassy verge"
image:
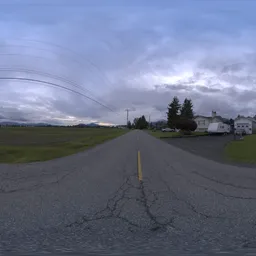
{"points": [[162, 135], [242, 150], [30, 144]]}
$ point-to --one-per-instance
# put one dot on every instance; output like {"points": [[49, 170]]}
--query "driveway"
{"points": [[210, 147]]}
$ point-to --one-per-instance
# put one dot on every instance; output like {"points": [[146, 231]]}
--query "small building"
{"points": [[245, 123]]}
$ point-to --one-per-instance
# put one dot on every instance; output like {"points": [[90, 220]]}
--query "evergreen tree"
{"points": [[187, 109], [140, 123], [129, 125], [144, 123], [173, 112], [135, 122]]}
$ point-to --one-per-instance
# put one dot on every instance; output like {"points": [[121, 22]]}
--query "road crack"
{"points": [[116, 204]]}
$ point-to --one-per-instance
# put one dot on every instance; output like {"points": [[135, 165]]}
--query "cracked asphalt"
{"points": [[93, 202]]}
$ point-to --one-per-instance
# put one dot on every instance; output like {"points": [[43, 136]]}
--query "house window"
{"points": [[202, 122]]}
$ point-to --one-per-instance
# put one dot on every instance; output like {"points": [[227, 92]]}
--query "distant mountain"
{"points": [[87, 125], [9, 123], [92, 125], [6, 123]]}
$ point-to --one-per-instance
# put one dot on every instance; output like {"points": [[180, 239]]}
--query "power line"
{"points": [[66, 49], [63, 79], [56, 85]]}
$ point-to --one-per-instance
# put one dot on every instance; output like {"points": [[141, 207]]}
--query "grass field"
{"points": [[243, 150], [30, 144], [160, 134]]}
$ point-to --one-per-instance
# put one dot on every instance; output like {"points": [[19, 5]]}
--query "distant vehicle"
{"points": [[218, 128], [168, 130]]}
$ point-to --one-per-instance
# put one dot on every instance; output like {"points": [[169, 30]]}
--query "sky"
{"points": [[82, 61]]}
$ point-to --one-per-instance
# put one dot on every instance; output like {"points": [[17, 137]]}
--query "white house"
{"points": [[245, 123], [204, 121]]}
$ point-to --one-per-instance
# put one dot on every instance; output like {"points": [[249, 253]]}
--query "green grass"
{"points": [[242, 150], [160, 134], [30, 144]]}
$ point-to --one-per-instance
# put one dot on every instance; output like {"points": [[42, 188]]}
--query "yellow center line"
{"points": [[139, 167]]}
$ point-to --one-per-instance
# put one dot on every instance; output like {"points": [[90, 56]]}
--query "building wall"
{"points": [[246, 124], [253, 127], [202, 124]]}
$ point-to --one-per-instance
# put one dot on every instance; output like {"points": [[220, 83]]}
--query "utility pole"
{"points": [[127, 110]]}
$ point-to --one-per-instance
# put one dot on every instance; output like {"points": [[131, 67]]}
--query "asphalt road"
{"points": [[95, 202]]}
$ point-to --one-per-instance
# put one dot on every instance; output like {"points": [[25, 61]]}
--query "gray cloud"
{"points": [[205, 89], [130, 55]]}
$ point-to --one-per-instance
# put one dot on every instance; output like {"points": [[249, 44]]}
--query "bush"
{"points": [[186, 125], [183, 132]]}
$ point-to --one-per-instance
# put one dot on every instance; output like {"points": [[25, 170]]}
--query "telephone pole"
{"points": [[127, 110]]}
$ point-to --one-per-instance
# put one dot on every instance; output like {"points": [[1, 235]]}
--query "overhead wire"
{"points": [[56, 85], [66, 49], [60, 78]]}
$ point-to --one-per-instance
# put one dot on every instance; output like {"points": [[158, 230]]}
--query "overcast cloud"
{"points": [[125, 54]]}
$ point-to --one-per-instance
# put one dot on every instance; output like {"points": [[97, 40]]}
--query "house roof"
{"points": [[249, 118], [207, 117]]}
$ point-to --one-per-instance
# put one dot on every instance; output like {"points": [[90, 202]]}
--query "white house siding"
{"points": [[202, 123], [244, 123]]}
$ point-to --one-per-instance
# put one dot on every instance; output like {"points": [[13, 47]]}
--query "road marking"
{"points": [[139, 167]]}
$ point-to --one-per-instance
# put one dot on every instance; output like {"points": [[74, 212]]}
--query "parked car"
{"points": [[168, 130]]}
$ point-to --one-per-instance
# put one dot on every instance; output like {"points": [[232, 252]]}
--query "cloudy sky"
{"points": [[71, 61]]}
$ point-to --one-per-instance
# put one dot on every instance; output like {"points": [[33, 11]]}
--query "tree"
{"points": [[144, 123], [187, 109], [135, 121], [173, 112], [188, 125], [129, 125]]}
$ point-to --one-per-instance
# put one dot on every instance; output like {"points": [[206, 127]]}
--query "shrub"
{"points": [[186, 125], [183, 132]]}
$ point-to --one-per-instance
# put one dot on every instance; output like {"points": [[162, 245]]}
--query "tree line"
{"points": [[177, 115], [138, 123]]}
